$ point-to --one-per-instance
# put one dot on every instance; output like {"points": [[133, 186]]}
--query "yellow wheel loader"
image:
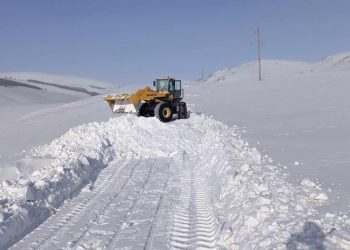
{"points": [[164, 102]]}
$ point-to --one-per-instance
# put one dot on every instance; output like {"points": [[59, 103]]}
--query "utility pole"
{"points": [[202, 75], [259, 50]]}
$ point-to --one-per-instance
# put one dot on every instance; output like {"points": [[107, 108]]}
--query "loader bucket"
{"points": [[120, 103]]}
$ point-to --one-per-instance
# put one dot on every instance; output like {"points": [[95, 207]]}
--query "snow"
{"points": [[48, 89], [71, 81], [339, 62], [27, 126], [31, 117], [12, 97], [74, 178], [247, 202], [298, 113]]}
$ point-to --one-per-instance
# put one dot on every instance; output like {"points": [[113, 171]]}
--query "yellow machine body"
{"points": [[131, 103], [164, 102]]}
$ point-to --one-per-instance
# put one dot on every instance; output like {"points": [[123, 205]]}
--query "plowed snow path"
{"points": [[120, 210], [125, 208], [185, 185]]}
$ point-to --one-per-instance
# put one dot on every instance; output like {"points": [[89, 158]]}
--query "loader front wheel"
{"points": [[146, 110], [164, 112]]}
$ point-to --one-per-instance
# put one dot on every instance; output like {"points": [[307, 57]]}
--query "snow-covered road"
{"points": [[149, 203], [119, 209], [137, 183]]}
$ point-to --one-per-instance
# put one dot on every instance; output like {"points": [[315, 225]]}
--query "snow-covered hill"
{"points": [[299, 115], [335, 62], [37, 88], [36, 108], [69, 81], [271, 68]]}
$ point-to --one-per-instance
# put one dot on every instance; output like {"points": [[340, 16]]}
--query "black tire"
{"points": [[164, 112], [143, 110], [146, 110], [182, 111]]}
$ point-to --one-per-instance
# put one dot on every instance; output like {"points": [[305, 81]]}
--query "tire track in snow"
{"points": [[106, 208], [77, 210], [194, 224], [150, 236], [121, 210], [135, 199], [136, 227]]}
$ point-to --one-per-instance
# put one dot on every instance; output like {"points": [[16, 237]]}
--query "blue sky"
{"points": [[134, 41]]}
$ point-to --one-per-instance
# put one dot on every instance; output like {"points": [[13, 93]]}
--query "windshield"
{"points": [[163, 85]]}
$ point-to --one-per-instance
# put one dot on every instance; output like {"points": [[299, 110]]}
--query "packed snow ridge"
{"points": [[225, 193]]}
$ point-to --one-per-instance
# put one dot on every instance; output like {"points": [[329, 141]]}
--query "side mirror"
{"points": [[154, 83]]}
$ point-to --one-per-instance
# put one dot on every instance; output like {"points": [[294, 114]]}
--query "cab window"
{"points": [[172, 86], [163, 85], [178, 85]]}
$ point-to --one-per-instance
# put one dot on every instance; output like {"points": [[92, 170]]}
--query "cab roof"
{"points": [[165, 78]]}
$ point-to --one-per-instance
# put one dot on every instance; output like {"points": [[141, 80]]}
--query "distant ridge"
{"points": [[11, 83], [78, 89]]}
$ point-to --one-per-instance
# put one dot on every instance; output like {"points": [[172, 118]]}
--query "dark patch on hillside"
{"points": [[96, 87], [78, 89], [10, 84]]}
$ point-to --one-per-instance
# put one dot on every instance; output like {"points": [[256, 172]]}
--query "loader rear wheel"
{"points": [[164, 112], [182, 110]]}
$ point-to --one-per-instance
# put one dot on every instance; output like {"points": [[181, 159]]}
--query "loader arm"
{"points": [[131, 103]]}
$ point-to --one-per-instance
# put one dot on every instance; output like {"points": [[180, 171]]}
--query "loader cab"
{"points": [[171, 85]]}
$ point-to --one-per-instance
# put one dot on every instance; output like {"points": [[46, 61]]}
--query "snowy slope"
{"points": [[272, 68], [27, 126], [299, 115], [33, 114], [37, 88], [188, 184], [335, 62], [71, 81]]}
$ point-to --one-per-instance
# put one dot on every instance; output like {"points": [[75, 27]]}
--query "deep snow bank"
{"points": [[298, 113], [78, 156], [256, 206]]}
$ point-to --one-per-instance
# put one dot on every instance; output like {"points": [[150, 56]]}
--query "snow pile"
{"points": [[297, 113], [256, 206], [78, 156]]}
